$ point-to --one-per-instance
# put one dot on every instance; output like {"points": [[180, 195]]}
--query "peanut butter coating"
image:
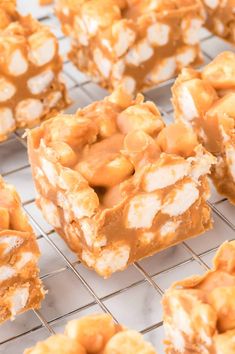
{"points": [[132, 44], [20, 286], [95, 334], [30, 87], [199, 313], [220, 18], [121, 195], [205, 100]]}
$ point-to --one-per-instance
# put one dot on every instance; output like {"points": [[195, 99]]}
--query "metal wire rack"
{"points": [[132, 297]]}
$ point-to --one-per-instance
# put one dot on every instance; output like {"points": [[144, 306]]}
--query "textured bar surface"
{"points": [[205, 100], [199, 312], [221, 18], [116, 184], [30, 87], [20, 287], [132, 43]]}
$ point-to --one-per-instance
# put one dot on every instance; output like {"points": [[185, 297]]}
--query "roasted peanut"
{"points": [[112, 197], [139, 116], [65, 153], [103, 165], [222, 300], [177, 139], [220, 73], [92, 332], [74, 131]]}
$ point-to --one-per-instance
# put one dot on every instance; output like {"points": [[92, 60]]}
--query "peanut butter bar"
{"points": [[96, 334], [199, 312], [30, 88], [20, 286], [221, 18], [206, 100], [134, 44], [116, 184]]}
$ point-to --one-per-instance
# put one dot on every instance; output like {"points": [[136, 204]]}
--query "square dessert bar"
{"points": [[116, 184], [132, 43], [199, 312], [206, 100], [30, 88], [220, 18], [20, 286], [96, 334]]}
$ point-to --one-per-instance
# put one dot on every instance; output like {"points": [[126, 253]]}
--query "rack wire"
{"points": [[132, 297]]}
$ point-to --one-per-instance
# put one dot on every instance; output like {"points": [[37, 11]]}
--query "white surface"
{"points": [[130, 298]]}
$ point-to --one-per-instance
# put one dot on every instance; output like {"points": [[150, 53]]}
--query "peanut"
{"points": [[103, 165], [139, 116], [177, 139], [72, 130], [92, 332], [220, 73], [65, 153]]}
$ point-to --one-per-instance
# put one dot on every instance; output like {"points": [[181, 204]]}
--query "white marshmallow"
{"points": [[103, 64], [140, 53], [25, 258], [187, 104], [186, 57], [6, 272], [118, 70], [18, 65], [10, 243], [128, 84], [49, 171], [43, 53], [109, 261], [50, 212], [83, 203], [113, 260], [125, 38], [29, 110], [163, 70], [169, 228], [212, 4], [39, 83], [219, 27], [181, 199], [165, 176], [147, 237], [158, 34], [175, 336], [89, 231], [142, 210], [80, 31], [19, 300], [7, 122], [52, 99], [7, 89], [191, 31]]}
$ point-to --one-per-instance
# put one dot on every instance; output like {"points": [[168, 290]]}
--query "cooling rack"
{"points": [[132, 297]]}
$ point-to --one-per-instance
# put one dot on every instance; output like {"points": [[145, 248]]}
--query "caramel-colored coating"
{"points": [[205, 100], [94, 334], [211, 297], [132, 45], [20, 286]]}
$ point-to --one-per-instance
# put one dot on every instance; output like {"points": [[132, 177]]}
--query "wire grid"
{"points": [[132, 297]]}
